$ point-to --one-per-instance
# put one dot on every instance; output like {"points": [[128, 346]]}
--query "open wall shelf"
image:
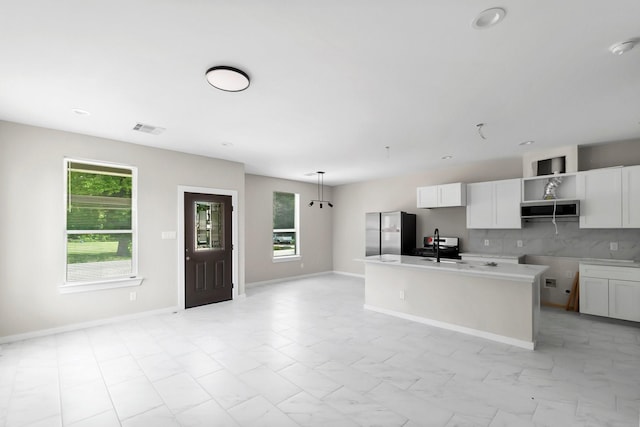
{"points": [[533, 188]]}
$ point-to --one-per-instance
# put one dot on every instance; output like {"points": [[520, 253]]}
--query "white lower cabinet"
{"points": [[610, 291], [624, 300], [594, 296]]}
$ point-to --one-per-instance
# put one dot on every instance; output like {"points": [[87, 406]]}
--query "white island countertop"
{"points": [[519, 272]]}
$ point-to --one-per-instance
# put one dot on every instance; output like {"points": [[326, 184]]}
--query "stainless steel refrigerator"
{"points": [[390, 233]]}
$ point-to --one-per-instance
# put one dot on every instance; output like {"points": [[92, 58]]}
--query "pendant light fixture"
{"points": [[320, 198]]}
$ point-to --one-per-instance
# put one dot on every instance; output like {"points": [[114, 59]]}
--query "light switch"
{"points": [[519, 242], [613, 246], [168, 235], [486, 242]]}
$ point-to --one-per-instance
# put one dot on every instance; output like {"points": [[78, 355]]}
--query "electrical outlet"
{"points": [[486, 242], [302, 265], [402, 295], [613, 246], [519, 243], [133, 296]]}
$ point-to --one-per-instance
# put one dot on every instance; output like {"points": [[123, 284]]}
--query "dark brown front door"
{"points": [[207, 234]]}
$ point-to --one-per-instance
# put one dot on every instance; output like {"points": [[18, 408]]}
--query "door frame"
{"points": [[182, 189]]}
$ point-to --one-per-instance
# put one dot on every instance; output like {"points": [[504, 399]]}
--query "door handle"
{"points": [[188, 258]]}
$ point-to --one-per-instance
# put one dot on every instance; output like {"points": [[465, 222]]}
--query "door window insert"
{"points": [[209, 225]]}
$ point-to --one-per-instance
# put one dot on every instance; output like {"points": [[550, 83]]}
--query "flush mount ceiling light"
{"points": [[320, 198], [488, 18], [81, 112], [623, 47], [526, 142], [228, 79], [446, 157]]}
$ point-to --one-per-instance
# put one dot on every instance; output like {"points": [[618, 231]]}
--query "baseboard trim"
{"points": [[84, 325], [457, 328], [285, 279], [344, 273]]}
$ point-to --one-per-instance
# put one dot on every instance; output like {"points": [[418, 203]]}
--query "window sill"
{"points": [[72, 288], [287, 258]]}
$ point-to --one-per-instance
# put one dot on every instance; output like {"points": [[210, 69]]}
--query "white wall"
{"points": [[315, 230], [352, 201], [623, 153], [531, 158], [31, 225]]}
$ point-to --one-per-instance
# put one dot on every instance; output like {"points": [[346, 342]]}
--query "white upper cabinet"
{"points": [[600, 193], [508, 196], [494, 204], [442, 196], [480, 205], [631, 197]]}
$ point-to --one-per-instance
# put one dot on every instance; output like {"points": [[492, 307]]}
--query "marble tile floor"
{"points": [[305, 353]]}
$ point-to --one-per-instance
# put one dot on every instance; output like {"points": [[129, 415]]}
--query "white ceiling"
{"points": [[332, 82]]}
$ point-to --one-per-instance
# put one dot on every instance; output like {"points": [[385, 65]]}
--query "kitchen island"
{"points": [[497, 302]]}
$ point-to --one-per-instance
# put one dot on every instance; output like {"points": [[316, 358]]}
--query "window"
{"points": [[100, 218], [285, 225]]}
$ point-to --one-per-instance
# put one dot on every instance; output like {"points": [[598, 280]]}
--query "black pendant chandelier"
{"points": [[320, 198]]}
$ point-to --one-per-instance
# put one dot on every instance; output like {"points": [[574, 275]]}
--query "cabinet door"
{"points": [[508, 194], [428, 197], [451, 194], [480, 205], [600, 192], [631, 197], [624, 299], [594, 296]]}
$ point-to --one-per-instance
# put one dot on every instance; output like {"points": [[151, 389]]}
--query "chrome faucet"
{"points": [[436, 238]]}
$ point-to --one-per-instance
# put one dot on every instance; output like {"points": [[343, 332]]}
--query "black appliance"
{"points": [[550, 209], [390, 233], [449, 248]]}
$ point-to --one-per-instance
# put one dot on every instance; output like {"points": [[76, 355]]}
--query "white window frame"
{"points": [[296, 229], [117, 282]]}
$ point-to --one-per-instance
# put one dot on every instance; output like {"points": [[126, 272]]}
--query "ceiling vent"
{"points": [[154, 130]]}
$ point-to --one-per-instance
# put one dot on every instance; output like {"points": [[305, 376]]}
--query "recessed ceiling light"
{"points": [[489, 18], [447, 157], [228, 79], [227, 144], [81, 112], [623, 47], [526, 143]]}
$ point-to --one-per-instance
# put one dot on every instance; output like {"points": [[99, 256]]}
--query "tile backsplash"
{"points": [[540, 238]]}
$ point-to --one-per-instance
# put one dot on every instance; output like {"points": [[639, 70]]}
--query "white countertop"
{"points": [[520, 272], [611, 262], [479, 255]]}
